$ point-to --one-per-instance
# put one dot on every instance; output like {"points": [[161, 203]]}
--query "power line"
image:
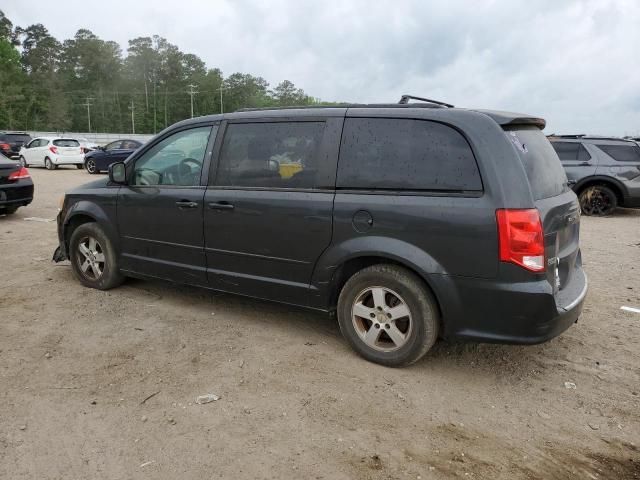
{"points": [[192, 91]]}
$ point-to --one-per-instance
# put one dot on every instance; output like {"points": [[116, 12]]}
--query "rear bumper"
{"points": [[17, 194], [68, 160], [513, 312]]}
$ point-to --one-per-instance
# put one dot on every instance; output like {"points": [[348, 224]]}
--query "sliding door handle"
{"points": [[186, 204], [221, 206]]}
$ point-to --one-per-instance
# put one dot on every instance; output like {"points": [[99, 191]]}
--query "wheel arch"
{"points": [[88, 212], [340, 262], [618, 188]]}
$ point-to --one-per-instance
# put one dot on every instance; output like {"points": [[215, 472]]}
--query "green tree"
{"points": [[46, 84], [287, 94], [46, 102], [12, 81]]}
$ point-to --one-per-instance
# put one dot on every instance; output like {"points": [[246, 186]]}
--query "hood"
{"points": [[100, 183]]}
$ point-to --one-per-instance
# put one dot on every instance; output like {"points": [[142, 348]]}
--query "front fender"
{"points": [[104, 215]]}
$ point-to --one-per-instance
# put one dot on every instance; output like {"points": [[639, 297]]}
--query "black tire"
{"points": [[110, 276], [598, 201], [23, 161], [90, 166], [49, 165], [420, 327], [79, 166]]}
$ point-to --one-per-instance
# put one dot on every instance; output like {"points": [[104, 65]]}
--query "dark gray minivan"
{"points": [[410, 221]]}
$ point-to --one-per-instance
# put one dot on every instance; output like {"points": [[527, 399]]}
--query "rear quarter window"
{"points": [[622, 153], [405, 154], [66, 143], [545, 172]]}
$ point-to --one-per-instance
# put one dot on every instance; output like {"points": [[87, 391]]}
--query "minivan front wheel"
{"points": [[598, 200], [93, 258], [387, 315]]}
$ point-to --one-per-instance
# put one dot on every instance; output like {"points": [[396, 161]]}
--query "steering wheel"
{"points": [[185, 172]]}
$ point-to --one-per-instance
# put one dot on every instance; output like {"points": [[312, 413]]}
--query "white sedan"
{"points": [[50, 152]]}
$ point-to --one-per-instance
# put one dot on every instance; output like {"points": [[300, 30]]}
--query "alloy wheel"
{"points": [[91, 166], [381, 319], [90, 258], [596, 202]]}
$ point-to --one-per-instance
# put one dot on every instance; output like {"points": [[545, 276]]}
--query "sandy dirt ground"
{"points": [[101, 385]]}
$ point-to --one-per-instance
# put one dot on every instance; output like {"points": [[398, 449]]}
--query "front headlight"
{"points": [[61, 202]]}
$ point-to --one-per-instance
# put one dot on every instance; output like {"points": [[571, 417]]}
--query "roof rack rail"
{"points": [[405, 100], [579, 135]]}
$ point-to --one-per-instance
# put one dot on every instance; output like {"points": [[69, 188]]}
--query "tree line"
{"points": [[86, 83]]}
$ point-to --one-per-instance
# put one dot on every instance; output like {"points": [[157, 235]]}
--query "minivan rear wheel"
{"points": [[387, 315], [598, 201]]}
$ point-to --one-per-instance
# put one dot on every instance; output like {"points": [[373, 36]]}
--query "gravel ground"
{"points": [[101, 385]]}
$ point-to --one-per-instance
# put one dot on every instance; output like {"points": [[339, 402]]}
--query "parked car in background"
{"points": [[99, 160], [16, 186], [51, 152], [87, 146], [409, 221], [603, 171], [11, 143]]}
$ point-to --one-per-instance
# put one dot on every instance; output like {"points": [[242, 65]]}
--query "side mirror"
{"points": [[118, 173]]}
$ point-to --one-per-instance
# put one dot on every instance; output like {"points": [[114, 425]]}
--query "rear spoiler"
{"points": [[505, 119]]}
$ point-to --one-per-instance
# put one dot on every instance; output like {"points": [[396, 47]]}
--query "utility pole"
{"points": [[221, 106], [132, 107], [88, 105], [191, 93]]}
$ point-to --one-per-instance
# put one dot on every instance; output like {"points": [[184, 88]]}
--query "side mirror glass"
{"points": [[118, 173]]}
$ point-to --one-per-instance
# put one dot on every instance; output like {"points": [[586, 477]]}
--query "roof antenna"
{"points": [[404, 100]]}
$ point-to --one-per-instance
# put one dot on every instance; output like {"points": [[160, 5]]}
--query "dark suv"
{"points": [[11, 143], [603, 171], [409, 221]]}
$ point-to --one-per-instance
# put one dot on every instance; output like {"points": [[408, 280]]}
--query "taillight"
{"points": [[19, 174], [520, 238], [53, 149], [4, 146]]}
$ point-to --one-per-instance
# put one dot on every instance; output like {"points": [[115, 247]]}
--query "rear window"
{"points": [[66, 143], [404, 154], [622, 153], [15, 137], [568, 151], [544, 171]]}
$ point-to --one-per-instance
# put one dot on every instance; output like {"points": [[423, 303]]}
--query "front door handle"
{"points": [[186, 204], [221, 206]]}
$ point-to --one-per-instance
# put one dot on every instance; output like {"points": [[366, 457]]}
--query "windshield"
{"points": [[544, 170]]}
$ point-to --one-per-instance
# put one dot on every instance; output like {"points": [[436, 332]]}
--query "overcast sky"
{"points": [[575, 63]]}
